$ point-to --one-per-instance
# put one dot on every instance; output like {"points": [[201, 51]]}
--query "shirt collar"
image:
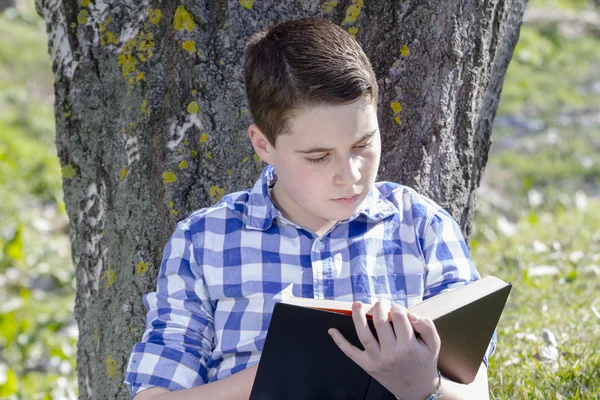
{"points": [[262, 211]]}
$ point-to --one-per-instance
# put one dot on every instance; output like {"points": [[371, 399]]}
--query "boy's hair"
{"points": [[303, 63]]}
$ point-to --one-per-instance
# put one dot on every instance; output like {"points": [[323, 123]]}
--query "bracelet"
{"points": [[436, 392]]}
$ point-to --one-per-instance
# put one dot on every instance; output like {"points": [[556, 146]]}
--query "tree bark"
{"points": [[151, 120]]}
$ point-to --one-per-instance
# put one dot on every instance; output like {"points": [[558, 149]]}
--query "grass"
{"points": [[561, 303]]}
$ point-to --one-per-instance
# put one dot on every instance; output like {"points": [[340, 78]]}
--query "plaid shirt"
{"points": [[225, 266]]}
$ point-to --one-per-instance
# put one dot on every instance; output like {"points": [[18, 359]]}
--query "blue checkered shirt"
{"points": [[225, 266]]}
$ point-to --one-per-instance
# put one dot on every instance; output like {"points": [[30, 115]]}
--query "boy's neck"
{"points": [[288, 208]]}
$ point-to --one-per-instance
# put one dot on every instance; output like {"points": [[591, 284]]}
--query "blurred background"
{"points": [[537, 222]]}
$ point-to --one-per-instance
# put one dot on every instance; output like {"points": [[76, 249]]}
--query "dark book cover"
{"points": [[300, 361]]}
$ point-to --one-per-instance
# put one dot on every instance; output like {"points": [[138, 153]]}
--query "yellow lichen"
{"points": [[404, 50], [134, 50], [193, 108], [171, 204], [169, 177], [84, 3], [154, 16], [328, 6], [397, 107], [229, 171], [247, 4], [204, 137], [126, 58], [216, 192], [67, 114], [102, 25], [174, 212], [186, 142], [256, 157], [108, 38], [144, 107], [244, 111], [353, 31], [397, 119], [123, 173], [68, 172], [142, 267], [222, 62], [194, 91], [353, 12], [82, 17], [183, 20], [110, 277], [209, 155], [194, 153], [183, 164], [189, 46], [111, 367], [245, 159]]}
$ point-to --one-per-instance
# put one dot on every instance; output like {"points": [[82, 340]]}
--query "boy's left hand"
{"points": [[403, 363]]}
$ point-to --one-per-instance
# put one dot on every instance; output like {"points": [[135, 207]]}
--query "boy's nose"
{"points": [[348, 171]]}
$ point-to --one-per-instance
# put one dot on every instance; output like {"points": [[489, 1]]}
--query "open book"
{"points": [[301, 361]]}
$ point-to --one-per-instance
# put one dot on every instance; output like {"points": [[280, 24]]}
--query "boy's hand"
{"points": [[403, 363]]}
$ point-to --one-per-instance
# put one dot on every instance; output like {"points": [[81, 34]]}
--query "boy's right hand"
{"points": [[403, 362]]}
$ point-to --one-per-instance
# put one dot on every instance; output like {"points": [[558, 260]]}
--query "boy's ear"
{"points": [[261, 145]]}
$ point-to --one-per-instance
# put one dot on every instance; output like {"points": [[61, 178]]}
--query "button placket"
{"points": [[317, 267]]}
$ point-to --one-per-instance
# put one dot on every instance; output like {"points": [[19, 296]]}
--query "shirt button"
{"points": [[320, 246]]}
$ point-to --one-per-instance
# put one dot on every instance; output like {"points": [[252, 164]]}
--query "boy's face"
{"points": [[326, 165]]}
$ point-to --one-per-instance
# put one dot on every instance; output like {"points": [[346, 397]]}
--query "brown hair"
{"points": [[302, 63]]}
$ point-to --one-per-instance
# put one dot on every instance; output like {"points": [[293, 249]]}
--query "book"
{"points": [[300, 361]]}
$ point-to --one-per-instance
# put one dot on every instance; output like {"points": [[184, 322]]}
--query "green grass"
{"points": [[561, 303], [547, 75], [37, 341]]}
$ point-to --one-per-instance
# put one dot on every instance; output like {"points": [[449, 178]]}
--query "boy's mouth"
{"points": [[347, 200]]}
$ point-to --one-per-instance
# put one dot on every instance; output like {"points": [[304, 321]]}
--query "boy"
{"points": [[314, 221]]}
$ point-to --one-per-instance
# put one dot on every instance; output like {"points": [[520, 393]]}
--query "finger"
{"points": [[381, 321], [351, 351], [363, 331], [402, 327], [427, 331]]}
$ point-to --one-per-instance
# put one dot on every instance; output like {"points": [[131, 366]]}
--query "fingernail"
{"points": [[357, 305], [413, 317]]}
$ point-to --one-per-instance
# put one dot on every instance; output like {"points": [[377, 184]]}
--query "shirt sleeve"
{"points": [[179, 335], [448, 262]]}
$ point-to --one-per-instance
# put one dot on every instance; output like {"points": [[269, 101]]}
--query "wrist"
{"points": [[435, 394]]}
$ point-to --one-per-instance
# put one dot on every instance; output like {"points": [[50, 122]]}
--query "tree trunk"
{"points": [[151, 120]]}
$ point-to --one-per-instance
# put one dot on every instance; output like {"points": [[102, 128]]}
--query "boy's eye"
{"points": [[317, 160], [363, 145]]}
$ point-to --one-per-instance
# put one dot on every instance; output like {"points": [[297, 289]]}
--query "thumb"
{"points": [[426, 331]]}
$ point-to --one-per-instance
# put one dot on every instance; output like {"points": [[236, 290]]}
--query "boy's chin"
{"points": [[342, 214]]}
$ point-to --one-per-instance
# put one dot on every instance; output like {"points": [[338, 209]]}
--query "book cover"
{"points": [[301, 361]]}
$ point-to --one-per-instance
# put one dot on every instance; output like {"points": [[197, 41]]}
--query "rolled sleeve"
{"points": [[491, 349], [179, 335], [447, 260]]}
